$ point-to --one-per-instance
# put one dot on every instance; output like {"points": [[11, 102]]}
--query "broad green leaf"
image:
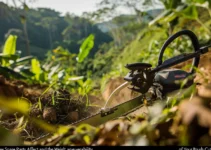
{"points": [[85, 48], [9, 48], [190, 12], [171, 4], [10, 45], [8, 59], [35, 68], [43, 76], [9, 56]]}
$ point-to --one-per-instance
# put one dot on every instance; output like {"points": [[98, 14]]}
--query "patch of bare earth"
{"points": [[57, 107]]}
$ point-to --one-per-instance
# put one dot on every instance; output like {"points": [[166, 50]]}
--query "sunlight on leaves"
{"points": [[35, 68], [10, 45], [9, 48], [86, 47], [190, 12]]}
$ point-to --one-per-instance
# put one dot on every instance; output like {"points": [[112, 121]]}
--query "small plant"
{"points": [[11, 63]]}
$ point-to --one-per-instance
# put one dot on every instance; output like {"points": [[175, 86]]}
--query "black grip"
{"points": [[194, 41]]}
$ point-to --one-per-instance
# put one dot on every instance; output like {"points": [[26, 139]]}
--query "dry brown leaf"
{"points": [[192, 110], [205, 91]]}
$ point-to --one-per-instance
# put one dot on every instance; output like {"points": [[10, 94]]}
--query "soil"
{"points": [[123, 95], [66, 110]]}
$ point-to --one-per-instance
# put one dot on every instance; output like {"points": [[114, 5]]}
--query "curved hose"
{"points": [[194, 41]]}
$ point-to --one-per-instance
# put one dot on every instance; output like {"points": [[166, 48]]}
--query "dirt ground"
{"points": [[67, 108]]}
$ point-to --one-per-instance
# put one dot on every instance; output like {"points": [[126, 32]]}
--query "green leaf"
{"points": [[35, 68], [27, 73], [54, 70], [7, 72], [85, 48], [190, 12], [10, 45], [87, 139], [25, 7], [9, 49], [170, 17], [7, 60], [23, 59], [24, 70], [199, 1], [167, 16], [46, 90], [171, 4], [72, 78]]}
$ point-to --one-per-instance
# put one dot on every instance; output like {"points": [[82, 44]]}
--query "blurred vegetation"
{"points": [[51, 65], [47, 29]]}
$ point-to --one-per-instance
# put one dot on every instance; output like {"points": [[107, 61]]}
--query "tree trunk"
{"points": [[50, 38], [26, 38]]}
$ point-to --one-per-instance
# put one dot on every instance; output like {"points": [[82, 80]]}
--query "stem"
{"points": [[50, 38], [209, 11], [14, 3], [24, 31], [26, 39], [203, 25]]}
